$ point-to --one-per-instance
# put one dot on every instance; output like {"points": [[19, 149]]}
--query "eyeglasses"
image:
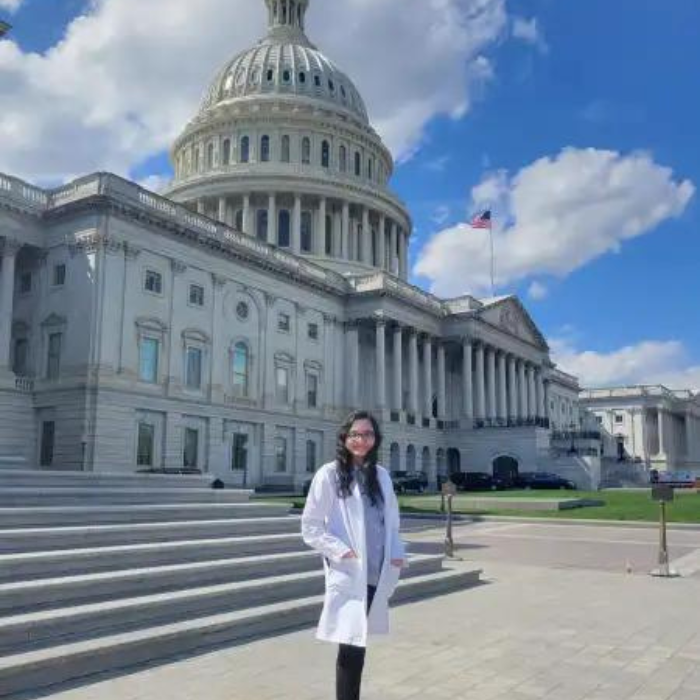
{"points": [[361, 436]]}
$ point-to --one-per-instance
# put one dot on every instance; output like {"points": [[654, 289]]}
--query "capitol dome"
{"points": [[282, 149]]}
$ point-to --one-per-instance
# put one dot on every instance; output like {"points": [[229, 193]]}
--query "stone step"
{"points": [[73, 562], [56, 516], [49, 538], [35, 478], [43, 628], [33, 670], [76, 496], [30, 596]]}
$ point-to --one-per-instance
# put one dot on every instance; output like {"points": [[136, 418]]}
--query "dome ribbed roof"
{"points": [[285, 63]]}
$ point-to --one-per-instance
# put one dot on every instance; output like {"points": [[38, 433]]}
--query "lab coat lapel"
{"points": [[354, 519]]}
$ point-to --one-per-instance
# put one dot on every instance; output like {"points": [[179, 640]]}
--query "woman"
{"points": [[352, 518]]}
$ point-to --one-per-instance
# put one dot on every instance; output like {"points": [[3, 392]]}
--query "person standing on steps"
{"points": [[352, 518]]}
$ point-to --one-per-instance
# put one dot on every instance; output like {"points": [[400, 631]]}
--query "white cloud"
{"points": [[647, 362], [552, 217], [528, 30], [537, 291], [441, 214], [119, 91], [10, 5]]}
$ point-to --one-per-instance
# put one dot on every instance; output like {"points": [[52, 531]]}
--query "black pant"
{"points": [[351, 661]]}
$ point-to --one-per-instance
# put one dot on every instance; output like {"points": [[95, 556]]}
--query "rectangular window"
{"points": [[153, 282], [19, 366], [190, 453], [148, 360], [282, 384], [599, 420], [284, 323], [146, 444], [53, 365], [312, 390], [280, 454], [59, 275], [239, 453], [310, 456], [618, 418], [25, 283], [313, 331], [196, 295], [193, 378], [48, 430]]}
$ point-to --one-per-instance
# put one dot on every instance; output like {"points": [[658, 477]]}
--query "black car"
{"points": [[477, 481], [409, 481], [543, 480]]}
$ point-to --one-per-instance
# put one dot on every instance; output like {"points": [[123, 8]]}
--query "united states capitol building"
{"points": [[230, 323]]}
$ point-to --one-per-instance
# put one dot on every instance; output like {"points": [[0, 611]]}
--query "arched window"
{"points": [[369, 168], [343, 158], [241, 370], [265, 149], [358, 164], [285, 149], [325, 154], [283, 229], [210, 156], [227, 151], [238, 221], [261, 225], [306, 150], [306, 231], [245, 149]]}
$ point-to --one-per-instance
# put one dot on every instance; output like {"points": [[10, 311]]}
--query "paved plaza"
{"points": [[558, 616]]}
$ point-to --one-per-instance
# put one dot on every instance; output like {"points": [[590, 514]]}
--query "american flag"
{"points": [[482, 220]]}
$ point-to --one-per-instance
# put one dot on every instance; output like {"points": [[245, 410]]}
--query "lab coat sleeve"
{"points": [[398, 548], [313, 520]]}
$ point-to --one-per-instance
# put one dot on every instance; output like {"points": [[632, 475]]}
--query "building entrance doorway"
{"points": [[505, 468]]}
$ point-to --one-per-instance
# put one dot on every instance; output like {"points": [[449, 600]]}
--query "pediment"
{"points": [[510, 316]]}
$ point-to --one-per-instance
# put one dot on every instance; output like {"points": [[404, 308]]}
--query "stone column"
{"points": [[296, 225], [393, 258], [428, 377], [522, 386], [272, 219], [491, 410], [480, 412], [441, 388], [7, 295], [413, 372], [247, 226], [366, 237], [337, 234], [398, 369], [222, 210], [381, 242], [541, 410], [353, 376], [403, 258], [512, 390], [201, 208], [467, 389], [502, 393], [380, 350], [320, 247], [345, 232], [532, 396]]}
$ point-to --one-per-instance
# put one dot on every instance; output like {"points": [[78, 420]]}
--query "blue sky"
{"points": [[610, 76]]}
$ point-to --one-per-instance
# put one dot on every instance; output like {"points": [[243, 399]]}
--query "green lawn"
{"points": [[619, 505]]}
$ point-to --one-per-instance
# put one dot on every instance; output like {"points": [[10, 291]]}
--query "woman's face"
{"points": [[360, 439]]}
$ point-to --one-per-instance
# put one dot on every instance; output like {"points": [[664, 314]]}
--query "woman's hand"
{"points": [[398, 563], [350, 554]]}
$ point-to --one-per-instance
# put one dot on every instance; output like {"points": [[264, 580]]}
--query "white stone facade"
{"points": [[653, 425], [230, 325]]}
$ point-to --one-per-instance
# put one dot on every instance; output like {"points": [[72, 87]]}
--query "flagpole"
{"points": [[493, 286]]}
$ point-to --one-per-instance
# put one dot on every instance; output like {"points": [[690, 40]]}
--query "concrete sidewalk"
{"points": [[528, 633]]}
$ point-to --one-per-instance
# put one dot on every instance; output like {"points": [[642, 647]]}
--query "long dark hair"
{"points": [[346, 470]]}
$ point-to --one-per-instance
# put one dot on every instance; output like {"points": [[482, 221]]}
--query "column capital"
{"points": [[10, 247], [177, 266], [218, 280]]}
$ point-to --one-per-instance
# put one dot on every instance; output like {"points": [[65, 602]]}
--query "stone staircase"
{"points": [[102, 572]]}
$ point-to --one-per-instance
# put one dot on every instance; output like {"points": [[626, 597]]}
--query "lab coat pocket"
{"points": [[343, 576]]}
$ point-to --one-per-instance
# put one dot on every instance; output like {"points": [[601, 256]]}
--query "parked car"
{"points": [[543, 480], [477, 481], [409, 481], [679, 480]]}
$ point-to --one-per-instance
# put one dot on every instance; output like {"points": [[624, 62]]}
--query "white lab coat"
{"points": [[332, 526]]}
